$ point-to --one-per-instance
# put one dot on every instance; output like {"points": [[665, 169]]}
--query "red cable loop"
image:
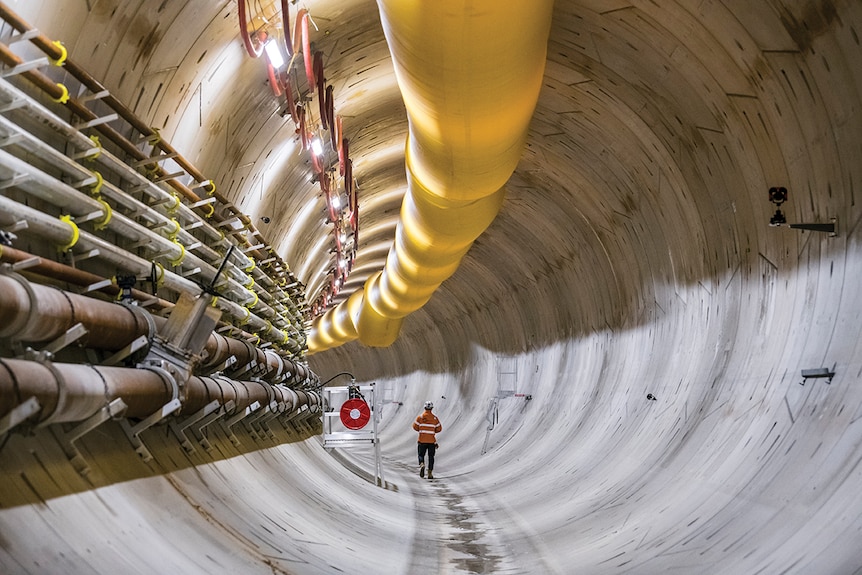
{"points": [[320, 80], [243, 31], [306, 54], [337, 132], [330, 112], [296, 39], [285, 19], [343, 154], [318, 169], [348, 185], [276, 89]]}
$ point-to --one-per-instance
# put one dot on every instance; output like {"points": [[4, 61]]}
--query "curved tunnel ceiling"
{"points": [[632, 256]]}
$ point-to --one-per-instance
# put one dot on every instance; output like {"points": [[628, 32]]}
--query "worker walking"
{"points": [[427, 425]]}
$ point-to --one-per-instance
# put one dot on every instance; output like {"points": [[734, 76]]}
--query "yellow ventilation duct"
{"points": [[470, 74]]}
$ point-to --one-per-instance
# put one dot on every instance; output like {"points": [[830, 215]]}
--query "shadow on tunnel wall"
{"points": [[522, 288], [34, 468], [642, 183]]}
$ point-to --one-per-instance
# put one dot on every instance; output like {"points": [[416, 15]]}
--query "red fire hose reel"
{"points": [[355, 413]]}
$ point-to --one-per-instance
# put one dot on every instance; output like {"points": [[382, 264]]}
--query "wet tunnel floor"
{"points": [[454, 534]]}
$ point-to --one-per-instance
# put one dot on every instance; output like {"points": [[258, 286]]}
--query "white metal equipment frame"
{"points": [[333, 436]]}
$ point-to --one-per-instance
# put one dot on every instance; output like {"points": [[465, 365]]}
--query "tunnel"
{"points": [[613, 241]]}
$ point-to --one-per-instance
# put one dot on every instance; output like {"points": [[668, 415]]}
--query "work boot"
{"points": [[430, 474], [422, 469]]}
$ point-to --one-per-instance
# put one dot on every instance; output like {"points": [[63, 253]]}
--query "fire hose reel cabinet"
{"points": [[355, 413]]}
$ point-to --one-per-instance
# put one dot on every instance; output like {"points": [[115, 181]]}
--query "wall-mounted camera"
{"points": [[777, 196]]}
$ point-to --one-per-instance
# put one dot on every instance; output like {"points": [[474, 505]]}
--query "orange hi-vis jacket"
{"points": [[427, 425]]}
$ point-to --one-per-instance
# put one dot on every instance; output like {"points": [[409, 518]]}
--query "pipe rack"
{"points": [[62, 188]]}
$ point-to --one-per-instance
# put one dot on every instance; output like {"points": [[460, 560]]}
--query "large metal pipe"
{"points": [[61, 272], [31, 312], [469, 100], [220, 348], [72, 392]]}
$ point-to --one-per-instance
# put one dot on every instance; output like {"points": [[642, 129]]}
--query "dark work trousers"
{"points": [[431, 448]]}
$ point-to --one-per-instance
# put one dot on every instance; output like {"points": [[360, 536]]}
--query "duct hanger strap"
{"points": [[167, 377], [62, 389]]}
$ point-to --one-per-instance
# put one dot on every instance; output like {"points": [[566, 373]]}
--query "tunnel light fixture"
{"points": [[316, 147], [274, 54], [336, 201]]}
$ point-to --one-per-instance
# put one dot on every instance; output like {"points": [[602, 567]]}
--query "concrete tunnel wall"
{"points": [[632, 256]]}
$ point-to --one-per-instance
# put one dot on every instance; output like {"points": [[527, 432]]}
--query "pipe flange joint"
{"points": [[147, 318], [164, 370], [44, 359], [20, 326]]}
